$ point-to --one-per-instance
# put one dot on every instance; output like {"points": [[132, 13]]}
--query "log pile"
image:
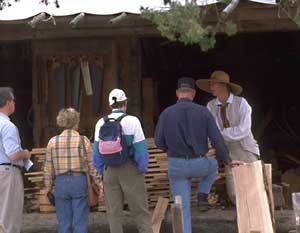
{"points": [[156, 179]]}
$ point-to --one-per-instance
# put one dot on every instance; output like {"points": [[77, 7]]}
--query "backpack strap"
{"points": [[105, 118], [121, 117]]}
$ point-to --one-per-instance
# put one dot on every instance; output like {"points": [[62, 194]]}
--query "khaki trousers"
{"points": [[11, 199], [236, 152], [126, 182]]}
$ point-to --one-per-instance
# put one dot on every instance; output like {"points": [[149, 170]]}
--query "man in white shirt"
{"points": [[12, 160], [233, 117], [123, 172]]}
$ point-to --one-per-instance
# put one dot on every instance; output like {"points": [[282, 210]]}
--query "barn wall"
{"points": [[117, 61]]}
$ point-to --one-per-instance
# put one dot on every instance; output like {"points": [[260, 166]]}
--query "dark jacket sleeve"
{"points": [[159, 136], [216, 138]]}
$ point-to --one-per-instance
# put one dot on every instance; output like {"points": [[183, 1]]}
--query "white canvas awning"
{"points": [[28, 8]]}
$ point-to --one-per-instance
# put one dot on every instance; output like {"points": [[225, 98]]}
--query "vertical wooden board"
{"points": [[68, 78], [110, 79], [148, 107], [268, 169], [159, 213], [35, 105], [129, 71], [85, 70], [135, 74], [253, 210]]}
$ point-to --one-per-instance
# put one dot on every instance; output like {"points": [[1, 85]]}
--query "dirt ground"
{"points": [[213, 221]]}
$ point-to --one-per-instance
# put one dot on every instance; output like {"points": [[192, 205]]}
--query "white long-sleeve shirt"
{"points": [[238, 113]]}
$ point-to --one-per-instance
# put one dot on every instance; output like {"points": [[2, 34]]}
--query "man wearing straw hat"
{"points": [[233, 117]]}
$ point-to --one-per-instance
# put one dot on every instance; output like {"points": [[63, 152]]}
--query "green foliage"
{"points": [[186, 23], [230, 28], [226, 1], [296, 17]]}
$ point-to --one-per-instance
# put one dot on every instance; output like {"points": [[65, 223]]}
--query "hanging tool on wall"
{"points": [[97, 77], [85, 70]]}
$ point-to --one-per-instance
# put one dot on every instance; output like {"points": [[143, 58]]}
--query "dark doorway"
{"points": [[16, 70]]}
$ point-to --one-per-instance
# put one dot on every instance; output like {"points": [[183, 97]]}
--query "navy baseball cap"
{"points": [[186, 82]]}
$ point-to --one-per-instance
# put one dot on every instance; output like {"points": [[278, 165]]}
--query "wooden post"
{"points": [[296, 207], [159, 213], [177, 215], [253, 210]]}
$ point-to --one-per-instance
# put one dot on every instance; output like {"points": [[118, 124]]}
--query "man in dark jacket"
{"points": [[183, 130]]}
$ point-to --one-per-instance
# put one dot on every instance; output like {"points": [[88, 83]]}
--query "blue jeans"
{"points": [[71, 203], [181, 171]]}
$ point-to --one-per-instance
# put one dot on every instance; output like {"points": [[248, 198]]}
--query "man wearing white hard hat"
{"points": [[123, 161]]}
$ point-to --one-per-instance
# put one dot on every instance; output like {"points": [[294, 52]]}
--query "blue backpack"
{"points": [[112, 148]]}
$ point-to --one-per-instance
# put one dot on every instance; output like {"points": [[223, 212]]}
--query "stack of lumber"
{"points": [[35, 182], [156, 179]]}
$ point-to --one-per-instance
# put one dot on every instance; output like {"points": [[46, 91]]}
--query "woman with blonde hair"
{"points": [[64, 165]]}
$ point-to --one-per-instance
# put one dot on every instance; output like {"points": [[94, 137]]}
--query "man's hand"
{"points": [[20, 155], [27, 154], [235, 163]]}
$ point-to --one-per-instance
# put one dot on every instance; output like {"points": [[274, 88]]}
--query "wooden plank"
{"points": [[253, 211], [268, 169], [110, 79], [148, 106], [159, 213]]}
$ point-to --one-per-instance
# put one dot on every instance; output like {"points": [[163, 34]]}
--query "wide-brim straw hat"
{"points": [[220, 77]]}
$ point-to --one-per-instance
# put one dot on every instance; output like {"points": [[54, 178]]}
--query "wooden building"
{"points": [[44, 65]]}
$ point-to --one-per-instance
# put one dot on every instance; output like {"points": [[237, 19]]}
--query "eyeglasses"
{"points": [[14, 99]]}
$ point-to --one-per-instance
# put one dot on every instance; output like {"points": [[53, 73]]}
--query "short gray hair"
{"points": [[185, 89], [6, 94], [68, 118]]}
